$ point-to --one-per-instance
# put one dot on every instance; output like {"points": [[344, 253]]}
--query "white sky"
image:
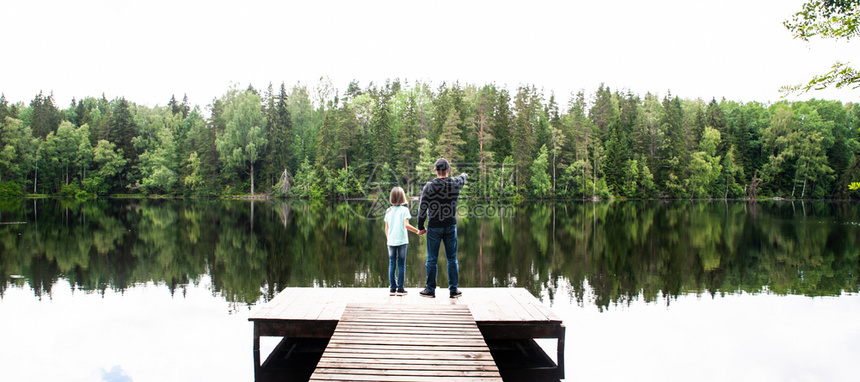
{"points": [[149, 50]]}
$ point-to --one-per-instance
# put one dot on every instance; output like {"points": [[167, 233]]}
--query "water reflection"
{"points": [[608, 253]]}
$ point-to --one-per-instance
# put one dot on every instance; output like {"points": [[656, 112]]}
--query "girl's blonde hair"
{"points": [[397, 197]]}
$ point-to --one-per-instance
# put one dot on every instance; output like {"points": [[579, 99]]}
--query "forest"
{"points": [[320, 143]]}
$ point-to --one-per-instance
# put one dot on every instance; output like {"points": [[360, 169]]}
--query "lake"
{"points": [[160, 290]]}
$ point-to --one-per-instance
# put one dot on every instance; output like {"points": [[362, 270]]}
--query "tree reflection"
{"points": [[607, 253]]}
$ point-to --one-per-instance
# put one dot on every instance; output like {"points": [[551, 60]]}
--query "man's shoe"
{"points": [[456, 293], [401, 292], [392, 292], [427, 293]]}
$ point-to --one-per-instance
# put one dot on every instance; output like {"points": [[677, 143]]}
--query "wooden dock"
{"points": [[501, 314], [385, 342]]}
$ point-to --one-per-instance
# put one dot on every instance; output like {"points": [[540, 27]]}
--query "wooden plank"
{"points": [[488, 309], [369, 343], [282, 304], [411, 362], [399, 365], [284, 308], [439, 337], [263, 311], [329, 310], [512, 307], [520, 330], [398, 341], [355, 320], [428, 355], [423, 318], [296, 328], [418, 311], [317, 301], [411, 372], [407, 331], [399, 378], [486, 304], [413, 348], [300, 308], [526, 297], [526, 300]]}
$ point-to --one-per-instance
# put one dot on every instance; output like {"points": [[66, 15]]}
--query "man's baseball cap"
{"points": [[442, 164]]}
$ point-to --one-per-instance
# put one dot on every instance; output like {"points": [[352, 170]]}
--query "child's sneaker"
{"points": [[456, 293], [401, 292], [392, 292]]}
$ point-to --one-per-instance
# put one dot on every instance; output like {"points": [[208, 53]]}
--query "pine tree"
{"points": [[380, 131], [604, 111], [675, 154], [615, 162], [83, 117], [173, 105], [484, 105], [717, 120], [347, 127], [123, 130], [71, 113], [327, 155], [523, 134], [4, 108], [202, 136], [741, 142], [557, 137], [502, 125], [352, 91], [186, 108], [699, 125], [45, 117], [408, 141], [450, 140]]}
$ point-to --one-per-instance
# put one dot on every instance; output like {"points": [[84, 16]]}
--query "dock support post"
{"points": [[560, 351], [257, 365]]}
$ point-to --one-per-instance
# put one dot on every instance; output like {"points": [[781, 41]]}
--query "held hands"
{"points": [[422, 232]]}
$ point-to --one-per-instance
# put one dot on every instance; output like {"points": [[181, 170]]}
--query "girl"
{"points": [[396, 224]]}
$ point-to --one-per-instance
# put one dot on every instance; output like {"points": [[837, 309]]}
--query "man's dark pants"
{"points": [[448, 237]]}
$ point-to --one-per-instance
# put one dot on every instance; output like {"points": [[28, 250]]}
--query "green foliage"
{"points": [[158, 164], [705, 167], [829, 19], [797, 142], [95, 185], [244, 137], [194, 180], [526, 106], [10, 190], [110, 163], [450, 141], [18, 149], [602, 190], [540, 180], [72, 191], [732, 174], [600, 145]]}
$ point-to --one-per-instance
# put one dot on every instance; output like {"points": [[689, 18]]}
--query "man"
{"points": [[439, 203]]}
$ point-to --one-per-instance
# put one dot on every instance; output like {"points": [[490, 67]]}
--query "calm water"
{"points": [[157, 290]]}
